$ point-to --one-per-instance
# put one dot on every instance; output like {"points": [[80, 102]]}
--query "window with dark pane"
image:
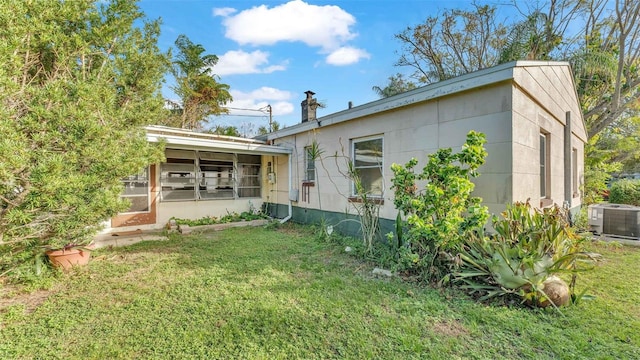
{"points": [[367, 161], [309, 164]]}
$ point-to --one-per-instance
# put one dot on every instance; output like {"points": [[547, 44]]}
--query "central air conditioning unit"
{"points": [[615, 219]]}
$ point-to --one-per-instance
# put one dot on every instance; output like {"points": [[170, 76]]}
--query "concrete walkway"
{"points": [[126, 238]]}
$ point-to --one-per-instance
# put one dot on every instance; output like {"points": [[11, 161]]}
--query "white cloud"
{"points": [[241, 62], [259, 99], [268, 93], [346, 56], [224, 12], [326, 27], [274, 68], [282, 108]]}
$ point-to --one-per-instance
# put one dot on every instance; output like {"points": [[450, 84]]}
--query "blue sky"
{"points": [[271, 52]]}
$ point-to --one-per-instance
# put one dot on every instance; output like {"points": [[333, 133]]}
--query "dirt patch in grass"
{"points": [[450, 328], [12, 295], [290, 230]]}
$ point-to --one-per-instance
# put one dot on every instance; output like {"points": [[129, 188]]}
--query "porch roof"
{"points": [[191, 140]]}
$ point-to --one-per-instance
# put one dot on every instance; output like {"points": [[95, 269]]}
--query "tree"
{"points": [[79, 81], [606, 64], [454, 43], [201, 94], [397, 85], [275, 126], [604, 56], [540, 35]]}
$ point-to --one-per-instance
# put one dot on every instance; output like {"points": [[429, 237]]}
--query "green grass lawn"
{"points": [[280, 294]]}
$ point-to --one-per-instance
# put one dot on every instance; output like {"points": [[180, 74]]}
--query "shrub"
{"points": [[228, 218], [440, 216], [79, 81], [625, 191]]}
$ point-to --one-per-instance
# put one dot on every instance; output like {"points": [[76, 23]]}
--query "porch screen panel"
{"points": [[216, 176], [178, 176], [249, 182]]}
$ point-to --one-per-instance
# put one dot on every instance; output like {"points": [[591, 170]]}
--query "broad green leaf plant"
{"points": [[529, 246]]}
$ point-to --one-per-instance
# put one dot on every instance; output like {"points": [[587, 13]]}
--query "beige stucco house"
{"points": [[528, 111]]}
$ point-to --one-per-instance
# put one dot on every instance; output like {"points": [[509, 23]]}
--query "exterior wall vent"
{"points": [[615, 219]]}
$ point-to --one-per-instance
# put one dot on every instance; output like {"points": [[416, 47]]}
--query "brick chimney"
{"points": [[309, 106]]}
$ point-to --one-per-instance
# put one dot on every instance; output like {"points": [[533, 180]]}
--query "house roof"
{"points": [[484, 77], [192, 140]]}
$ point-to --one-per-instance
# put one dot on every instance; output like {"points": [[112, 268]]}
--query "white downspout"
{"points": [[290, 207]]}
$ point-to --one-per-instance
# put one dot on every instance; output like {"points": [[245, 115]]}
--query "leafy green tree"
{"points": [[397, 85], [79, 80], [606, 64], [622, 142], [625, 191], [196, 85], [598, 167]]}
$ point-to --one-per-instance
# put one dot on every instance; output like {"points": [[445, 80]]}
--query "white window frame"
{"points": [[380, 165]]}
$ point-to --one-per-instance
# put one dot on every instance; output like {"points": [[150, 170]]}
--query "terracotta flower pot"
{"points": [[66, 259]]}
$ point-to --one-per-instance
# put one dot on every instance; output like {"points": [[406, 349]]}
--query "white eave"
{"points": [[191, 140], [484, 77]]}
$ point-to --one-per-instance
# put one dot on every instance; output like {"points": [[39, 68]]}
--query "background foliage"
{"points": [[200, 93], [626, 191]]}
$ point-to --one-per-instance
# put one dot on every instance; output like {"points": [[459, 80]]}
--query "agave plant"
{"points": [[528, 248]]}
